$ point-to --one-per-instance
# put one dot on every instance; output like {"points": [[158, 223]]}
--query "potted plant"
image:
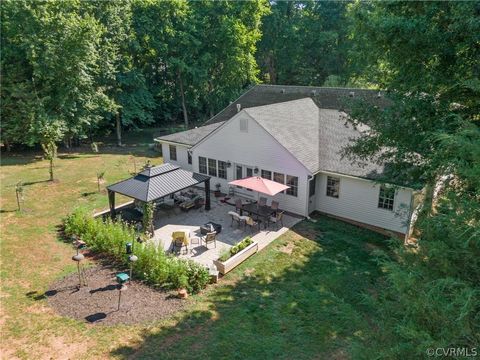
{"points": [[217, 192], [182, 286]]}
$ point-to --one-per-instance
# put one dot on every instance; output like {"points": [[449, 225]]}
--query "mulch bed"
{"points": [[97, 303]]}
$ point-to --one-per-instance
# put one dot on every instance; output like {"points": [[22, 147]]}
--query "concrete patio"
{"points": [[168, 221]]}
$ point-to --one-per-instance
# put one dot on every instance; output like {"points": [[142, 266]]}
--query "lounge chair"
{"points": [[262, 201]]}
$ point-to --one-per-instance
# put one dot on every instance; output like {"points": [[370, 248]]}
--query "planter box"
{"points": [[237, 259]]}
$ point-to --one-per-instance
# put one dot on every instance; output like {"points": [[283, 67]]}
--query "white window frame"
{"points": [[386, 201], [292, 190], [200, 165], [337, 179]]}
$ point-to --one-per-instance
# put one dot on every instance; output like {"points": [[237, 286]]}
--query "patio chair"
{"points": [[209, 238], [262, 201], [235, 217], [238, 204], [250, 222], [180, 239], [277, 219], [275, 205], [243, 219]]}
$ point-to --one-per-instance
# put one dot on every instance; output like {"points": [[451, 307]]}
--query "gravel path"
{"points": [[97, 303]]}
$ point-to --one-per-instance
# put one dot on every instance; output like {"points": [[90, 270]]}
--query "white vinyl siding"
{"points": [[181, 155], [358, 201], [254, 149]]}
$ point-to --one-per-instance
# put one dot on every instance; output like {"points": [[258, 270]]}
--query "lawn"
{"points": [[300, 298]]}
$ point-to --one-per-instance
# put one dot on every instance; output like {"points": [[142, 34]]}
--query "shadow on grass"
{"points": [[2, 211], [89, 193], [35, 295], [300, 298], [26, 157]]}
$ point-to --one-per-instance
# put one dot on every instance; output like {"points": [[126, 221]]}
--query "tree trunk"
{"points": [[184, 108], [51, 169], [272, 74], [119, 128], [18, 200], [8, 146]]}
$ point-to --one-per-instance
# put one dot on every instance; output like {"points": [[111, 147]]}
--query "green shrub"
{"points": [[154, 266]]}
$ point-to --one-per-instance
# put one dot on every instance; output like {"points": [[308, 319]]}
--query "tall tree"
{"points": [[121, 75], [426, 54], [304, 43], [227, 34], [60, 68]]}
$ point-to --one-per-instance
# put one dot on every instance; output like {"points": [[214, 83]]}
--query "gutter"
{"points": [[360, 178], [168, 142]]}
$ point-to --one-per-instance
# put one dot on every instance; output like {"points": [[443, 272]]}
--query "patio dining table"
{"points": [[261, 211]]}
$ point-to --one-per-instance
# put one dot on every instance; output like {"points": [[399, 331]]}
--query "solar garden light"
{"points": [[122, 278]]}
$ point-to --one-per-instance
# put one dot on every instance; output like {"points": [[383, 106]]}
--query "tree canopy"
{"points": [[90, 65]]}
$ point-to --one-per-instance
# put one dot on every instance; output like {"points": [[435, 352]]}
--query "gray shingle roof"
{"points": [[306, 120], [324, 97], [157, 182], [314, 136], [192, 136]]}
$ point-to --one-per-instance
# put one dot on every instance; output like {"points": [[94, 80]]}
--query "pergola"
{"points": [[157, 182]]}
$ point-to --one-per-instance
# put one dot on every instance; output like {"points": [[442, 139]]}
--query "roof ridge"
{"points": [[317, 87], [226, 107], [282, 102]]}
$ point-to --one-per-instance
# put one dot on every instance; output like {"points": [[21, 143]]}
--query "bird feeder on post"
{"points": [[129, 248], [122, 278], [132, 259], [82, 279], [78, 258]]}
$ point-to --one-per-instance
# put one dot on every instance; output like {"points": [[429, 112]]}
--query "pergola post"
{"points": [[207, 194], [111, 203]]}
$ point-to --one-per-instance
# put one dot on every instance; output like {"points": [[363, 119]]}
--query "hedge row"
{"points": [[154, 266]]}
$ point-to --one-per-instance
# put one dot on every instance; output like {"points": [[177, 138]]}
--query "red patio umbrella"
{"points": [[261, 185]]}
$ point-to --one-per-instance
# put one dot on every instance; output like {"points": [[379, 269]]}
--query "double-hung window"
{"points": [[292, 181], [266, 174], [333, 186], [202, 165], [386, 197], [212, 167], [222, 169], [173, 152]]}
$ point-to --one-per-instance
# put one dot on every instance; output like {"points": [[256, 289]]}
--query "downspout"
{"points": [[309, 178], [410, 215]]}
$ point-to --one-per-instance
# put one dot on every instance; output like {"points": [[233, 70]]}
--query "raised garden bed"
{"points": [[235, 260]]}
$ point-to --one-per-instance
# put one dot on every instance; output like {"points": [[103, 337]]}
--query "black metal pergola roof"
{"points": [[157, 182]]}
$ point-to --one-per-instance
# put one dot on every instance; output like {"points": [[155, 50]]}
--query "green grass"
{"points": [[280, 305], [300, 298]]}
